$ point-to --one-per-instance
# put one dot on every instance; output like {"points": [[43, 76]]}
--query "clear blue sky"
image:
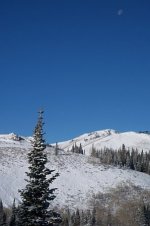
{"points": [[86, 62]]}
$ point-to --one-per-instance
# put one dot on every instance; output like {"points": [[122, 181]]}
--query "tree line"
{"points": [[135, 160], [137, 213], [77, 149]]}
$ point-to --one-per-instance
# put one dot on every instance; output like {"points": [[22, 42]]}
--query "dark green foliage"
{"points": [[2, 215], [77, 218], [146, 213], [93, 221], [9, 217], [131, 213], [76, 149], [124, 158], [13, 219], [36, 197]]}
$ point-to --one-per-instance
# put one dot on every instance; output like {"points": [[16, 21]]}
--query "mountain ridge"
{"points": [[99, 139], [109, 139]]}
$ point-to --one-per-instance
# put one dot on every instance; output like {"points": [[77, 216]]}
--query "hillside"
{"points": [[110, 139], [81, 176]]}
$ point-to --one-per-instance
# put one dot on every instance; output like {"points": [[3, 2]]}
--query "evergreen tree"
{"points": [[83, 219], [56, 149], [2, 215], [89, 218], [94, 217], [146, 212], [13, 215], [36, 197], [72, 220], [77, 218], [80, 149]]}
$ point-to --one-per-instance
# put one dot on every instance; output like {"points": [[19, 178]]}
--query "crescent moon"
{"points": [[120, 12]]}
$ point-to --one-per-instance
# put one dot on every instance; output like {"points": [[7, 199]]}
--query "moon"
{"points": [[120, 12]]}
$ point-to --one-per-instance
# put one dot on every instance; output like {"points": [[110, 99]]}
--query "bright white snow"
{"points": [[110, 139], [80, 176]]}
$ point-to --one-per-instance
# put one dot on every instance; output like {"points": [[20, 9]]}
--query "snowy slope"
{"points": [[80, 177], [110, 139], [13, 140]]}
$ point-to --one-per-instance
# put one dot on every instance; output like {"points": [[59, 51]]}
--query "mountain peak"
{"points": [[109, 138]]}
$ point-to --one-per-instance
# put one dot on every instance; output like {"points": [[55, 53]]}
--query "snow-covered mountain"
{"points": [[13, 140], [81, 176], [110, 139], [98, 139]]}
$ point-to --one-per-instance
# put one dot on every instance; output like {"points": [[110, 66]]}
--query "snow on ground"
{"points": [[80, 176], [13, 140], [110, 139]]}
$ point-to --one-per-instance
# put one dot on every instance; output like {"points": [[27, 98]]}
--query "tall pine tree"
{"points": [[36, 197], [2, 215], [13, 215]]}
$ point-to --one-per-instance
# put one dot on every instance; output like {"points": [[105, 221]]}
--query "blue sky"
{"points": [[85, 62]]}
